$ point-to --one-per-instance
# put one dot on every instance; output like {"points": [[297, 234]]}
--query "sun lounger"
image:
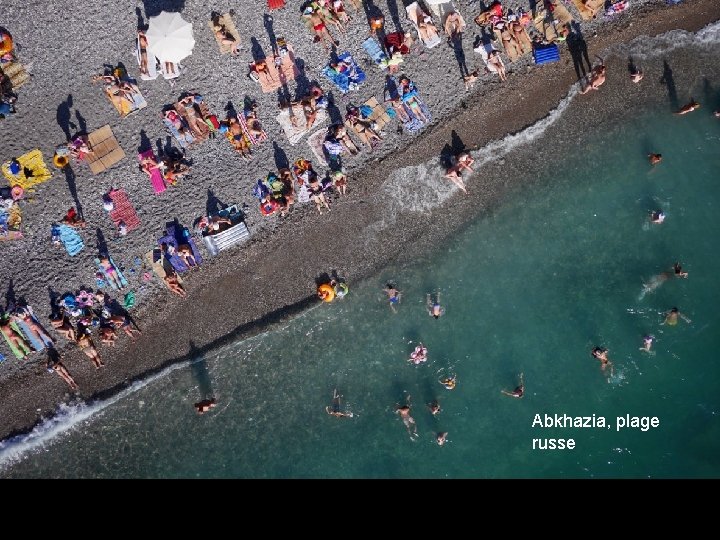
{"points": [[123, 210], [236, 233], [442, 10], [277, 76], [105, 150], [295, 133], [156, 177], [544, 24], [118, 273], [372, 48], [415, 13], [176, 235], [588, 9], [16, 72], [33, 171], [69, 237], [20, 355], [226, 21], [347, 80], [10, 223], [168, 75], [183, 140], [152, 63]]}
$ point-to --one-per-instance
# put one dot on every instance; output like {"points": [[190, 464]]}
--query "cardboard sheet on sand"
{"points": [[544, 25], [226, 21], [588, 9], [16, 72], [275, 77], [33, 171], [295, 133], [106, 151], [315, 142], [123, 210]]}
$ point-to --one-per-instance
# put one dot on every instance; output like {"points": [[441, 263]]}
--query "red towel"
{"points": [[123, 210], [276, 4]]}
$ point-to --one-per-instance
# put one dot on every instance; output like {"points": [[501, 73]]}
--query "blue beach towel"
{"points": [[38, 344], [69, 237], [183, 140], [119, 274], [373, 49], [347, 80], [176, 235]]}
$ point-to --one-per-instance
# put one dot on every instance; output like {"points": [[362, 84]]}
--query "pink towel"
{"points": [[156, 177], [123, 210]]}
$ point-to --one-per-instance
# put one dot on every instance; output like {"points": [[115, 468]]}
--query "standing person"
{"points": [[433, 307], [334, 408], [55, 365], [393, 295], [519, 389], [671, 317], [142, 45]]}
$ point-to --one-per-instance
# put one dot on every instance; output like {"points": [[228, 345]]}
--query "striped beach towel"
{"points": [[243, 124]]}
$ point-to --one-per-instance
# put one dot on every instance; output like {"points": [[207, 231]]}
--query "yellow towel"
{"points": [[33, 161]]}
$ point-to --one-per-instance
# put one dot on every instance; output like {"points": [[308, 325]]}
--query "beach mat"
{"points": [[349, 80], [372, 48], [10, 223], [33, 171], [156, 177], [226, 21], [37, 343], [158, 264], [588, 9], [171, 238], [544, 25], [19, 354], [414, 12], [123, 210], [120, 275], [288, 71], [315, 142], [415, 124], [105, 150], [69, 237], [379, 115], [295, 133], [16, 72], [123, 106], [243, 124]]}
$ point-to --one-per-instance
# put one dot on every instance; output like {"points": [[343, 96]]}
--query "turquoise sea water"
{"points": [[555, 270]]}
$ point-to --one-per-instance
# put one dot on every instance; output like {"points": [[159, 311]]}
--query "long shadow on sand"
{"points": [[72, 188]]}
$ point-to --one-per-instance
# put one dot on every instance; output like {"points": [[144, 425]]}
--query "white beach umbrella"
{"points": [[170, 37]]}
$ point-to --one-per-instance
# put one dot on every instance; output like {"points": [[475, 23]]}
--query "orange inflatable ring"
{"points": [[326, 292], [17, 192], [60, 161], [6, 43]]}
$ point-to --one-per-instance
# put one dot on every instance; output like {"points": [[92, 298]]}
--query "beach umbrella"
{"points": [[170, 37]]}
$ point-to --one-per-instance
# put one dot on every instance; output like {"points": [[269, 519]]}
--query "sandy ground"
{"points": [[273, 276]]}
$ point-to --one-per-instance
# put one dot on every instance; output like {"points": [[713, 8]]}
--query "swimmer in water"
{"points": [[636, 76], [717, 113], [601, 354], [419, 355], [434, 407], [671, 317], [647, 343], [655, 158], [690, 107], [441, 438], [657, 216], [393, 295], [519, 390], [449, 382], [434, 308], [679, 272], [205, 405], [409, 421], [334, 408]]}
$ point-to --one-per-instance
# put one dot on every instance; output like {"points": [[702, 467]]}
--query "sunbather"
{"points": [[179, 125], [23, 314], [342, 136], [143, 43], [124, 322], [224, 36], [518, 31], [238, 139], [108, 335], [252, 121], [362, 127], [184, 251], [61, 323], [496, 61], [170, 68], [15, 338], [318, 197], [321, 31], [512, 46], [87, 346], [409, 97], [54, 364], [338, 9], [392, 91], [110, 272], [171, 280], [196, 123], [426, 29], [453, 174]]}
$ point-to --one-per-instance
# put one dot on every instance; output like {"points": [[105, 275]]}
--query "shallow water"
{"points": [[531, 288]]}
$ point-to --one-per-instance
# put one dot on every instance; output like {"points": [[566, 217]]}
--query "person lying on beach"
{"points": [[108, 335], [148, 165], [24, 314], [341, 134], [87, 346], [362, 127], [55, 365], [671, 317], [337, 7], [237, 139], [454, 25], [224, 36], [393, 295], [110, 272], [426, 28], [321, 32], [690, 107], [391, 94], [125, 323], [61, 323], [496, 61], [453, 174], [205, 405], [519, 389], [334, 408], [143, 43], [601, 354], [310, 110], [17, 339], [171, 280], [654, 158], [433, 307], [647, 343], [196, 123]]}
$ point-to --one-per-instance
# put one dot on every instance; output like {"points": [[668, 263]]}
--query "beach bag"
{"points": [[260, 190]]}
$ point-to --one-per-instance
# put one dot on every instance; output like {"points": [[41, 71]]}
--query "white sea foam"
{"points": [[650, 47]]}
